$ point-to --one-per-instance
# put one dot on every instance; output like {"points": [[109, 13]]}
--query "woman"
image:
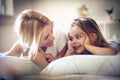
{"points": [[36, 42]]}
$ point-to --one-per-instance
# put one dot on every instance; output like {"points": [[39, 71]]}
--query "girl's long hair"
{"points": [[88, 25]]}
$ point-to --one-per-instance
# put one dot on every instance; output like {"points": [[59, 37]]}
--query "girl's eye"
{"points": [[78, 37], [70, 39]]}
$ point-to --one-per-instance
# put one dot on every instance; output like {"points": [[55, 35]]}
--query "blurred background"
{"points": [[61, 12]]}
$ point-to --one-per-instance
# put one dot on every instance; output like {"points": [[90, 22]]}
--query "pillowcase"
{"points": [[84, 64], [11, 66]]}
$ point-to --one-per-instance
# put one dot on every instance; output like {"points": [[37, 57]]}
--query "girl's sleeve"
{"points": [[115, 45]]}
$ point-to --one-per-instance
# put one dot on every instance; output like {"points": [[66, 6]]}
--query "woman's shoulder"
{"points": [[60, 35], [58, 32], [21, 45]]}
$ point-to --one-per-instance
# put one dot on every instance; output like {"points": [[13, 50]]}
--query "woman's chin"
{"points": [[49, 45]]}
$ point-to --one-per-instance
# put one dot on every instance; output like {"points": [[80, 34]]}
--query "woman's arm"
{"points": [[49, 57], [38, 58], [16, 50]]}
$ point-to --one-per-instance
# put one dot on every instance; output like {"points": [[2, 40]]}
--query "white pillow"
{"points": [[14, 66], [84, 64]]}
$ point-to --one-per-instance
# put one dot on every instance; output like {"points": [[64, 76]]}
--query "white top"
{"points": [[59, 43]]}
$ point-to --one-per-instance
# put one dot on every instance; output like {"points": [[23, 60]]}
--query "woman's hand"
{"points": [[49, 57], [38, 57]]}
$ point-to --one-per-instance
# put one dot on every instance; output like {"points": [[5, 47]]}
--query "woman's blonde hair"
{"points": [[28, 27]]}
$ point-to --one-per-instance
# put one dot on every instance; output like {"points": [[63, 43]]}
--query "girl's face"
{"points": [[77, 38], [47, 37]]}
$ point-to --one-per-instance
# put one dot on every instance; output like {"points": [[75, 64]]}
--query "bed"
{"points": [[70, 77], [104, 68], [74, 67]]}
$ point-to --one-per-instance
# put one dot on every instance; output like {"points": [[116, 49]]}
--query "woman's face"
{"points": [[77, 38], [47, 37]]}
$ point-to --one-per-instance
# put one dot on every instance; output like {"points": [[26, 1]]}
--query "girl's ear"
{"points": [[93, 37]]}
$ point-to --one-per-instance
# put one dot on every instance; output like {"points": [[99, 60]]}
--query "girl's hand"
{"points": [[70, 48], [87, 41], [91, 39], [49, 57]]}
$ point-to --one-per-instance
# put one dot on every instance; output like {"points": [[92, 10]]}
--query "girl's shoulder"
{"points": [[115, 45]]}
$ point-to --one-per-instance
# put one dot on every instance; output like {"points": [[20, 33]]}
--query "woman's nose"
{"points": [[52, 38]]}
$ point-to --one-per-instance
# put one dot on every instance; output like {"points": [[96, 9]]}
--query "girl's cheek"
{"points": [[82, 41], [92, 41]]}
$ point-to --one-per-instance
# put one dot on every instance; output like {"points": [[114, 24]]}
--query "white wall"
{"points": [[63, 11], [7, 38]]}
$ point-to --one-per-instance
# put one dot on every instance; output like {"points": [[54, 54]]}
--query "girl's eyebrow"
{"points": [[78, 34]]}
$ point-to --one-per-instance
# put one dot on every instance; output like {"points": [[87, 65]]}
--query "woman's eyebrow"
{"points": [[46, 36]]}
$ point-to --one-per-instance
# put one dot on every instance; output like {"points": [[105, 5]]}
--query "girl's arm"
{"points": [[62, 52], [16, 50], [68, 53], [98, 50], [61, 40]]}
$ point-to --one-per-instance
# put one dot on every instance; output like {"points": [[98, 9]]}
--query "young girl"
{"points": [[85, 38]]}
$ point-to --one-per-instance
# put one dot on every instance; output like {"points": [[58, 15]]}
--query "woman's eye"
{"points": [[46, 37]]}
